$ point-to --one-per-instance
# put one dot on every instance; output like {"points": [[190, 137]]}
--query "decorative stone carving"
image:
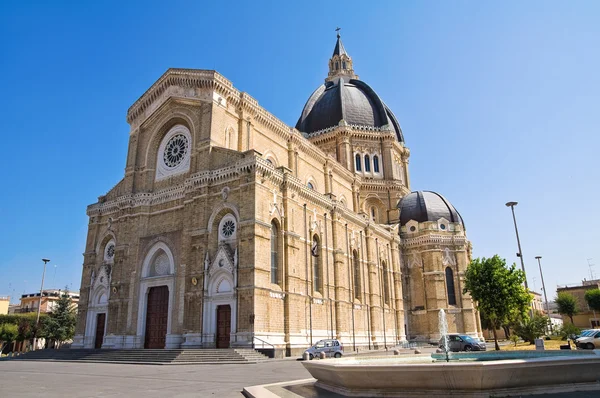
{"points": [[448, 258]]}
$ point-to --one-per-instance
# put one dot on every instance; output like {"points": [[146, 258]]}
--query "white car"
{"points": [[589, 339]]}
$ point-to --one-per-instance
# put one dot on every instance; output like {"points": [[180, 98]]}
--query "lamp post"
{"points": [[544, 287], [520, 253], [37, 319]]}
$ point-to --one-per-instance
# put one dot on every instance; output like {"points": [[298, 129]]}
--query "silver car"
{"points": [[331, 348], [462, 342]]}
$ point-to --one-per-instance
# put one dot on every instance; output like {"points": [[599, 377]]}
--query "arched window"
{"points": [[356, 274], [373, 214], [343, 64], [315, 252], [386, 283], [337, 65], [310, 186], [367, 164], [274, 257], [358, 167], [376, 164], [450, 286]]}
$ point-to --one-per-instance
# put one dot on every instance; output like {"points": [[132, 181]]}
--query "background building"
{"points": [[585, 318], [231, 228], [30, 302], [4, 304]]}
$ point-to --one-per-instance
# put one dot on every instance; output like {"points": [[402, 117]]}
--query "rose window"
{"points": [[110, 251], [161, 264], [228, 228], [176, 150]]}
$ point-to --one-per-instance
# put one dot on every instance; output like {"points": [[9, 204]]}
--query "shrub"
{"points": [[532, 328], [514, 338], [568, 331]]}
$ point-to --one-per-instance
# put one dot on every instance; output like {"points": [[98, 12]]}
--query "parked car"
{"points": [[590, 340], [462, 342], [331, 348], [585, 333]]}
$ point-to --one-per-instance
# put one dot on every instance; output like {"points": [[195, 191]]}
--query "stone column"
{"points": [[387, 158], [405, 156]]}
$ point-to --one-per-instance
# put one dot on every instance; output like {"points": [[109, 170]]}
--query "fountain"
{"points": [[470, 374]]}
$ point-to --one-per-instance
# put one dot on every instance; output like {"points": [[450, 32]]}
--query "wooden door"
{"points": [[100, 321], [223, 326], [157, 314]]}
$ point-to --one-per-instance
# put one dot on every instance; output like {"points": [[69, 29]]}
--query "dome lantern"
{"points": [[340, 63]]}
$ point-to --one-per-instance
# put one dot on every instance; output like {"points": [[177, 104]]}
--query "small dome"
{"points": [[349, 99], [423, 206]]}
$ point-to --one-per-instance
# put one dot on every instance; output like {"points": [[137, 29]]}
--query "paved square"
{"points": [[71, 379]]}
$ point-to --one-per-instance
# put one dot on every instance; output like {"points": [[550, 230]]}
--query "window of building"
{"points": [[337, 65], [356, 261], [274, 257], [373, 214], [376, 164], [358, 166], [344, 65], [315, 251], [367, 164], [386, 283], [310, 186], [450, 286]]}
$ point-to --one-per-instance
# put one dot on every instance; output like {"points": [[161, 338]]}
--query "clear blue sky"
{"points": [[498, 101]]}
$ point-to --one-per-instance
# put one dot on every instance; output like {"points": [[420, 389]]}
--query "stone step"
{"points": [[149, 356]]}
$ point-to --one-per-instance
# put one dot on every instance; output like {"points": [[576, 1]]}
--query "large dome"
{"points": [[345, 97], [349, 99], [423, 206]]}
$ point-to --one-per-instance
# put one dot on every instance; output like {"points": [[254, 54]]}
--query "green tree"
{"points": [[532, 328], [59, 326], [497, 291], [567, 305], [593, 299], [8, 334]]}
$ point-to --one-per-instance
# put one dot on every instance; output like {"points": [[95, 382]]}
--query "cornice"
{"points": [[433, 239]]}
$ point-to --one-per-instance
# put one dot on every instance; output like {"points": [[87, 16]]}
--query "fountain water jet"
{"points": [[443, 327]]}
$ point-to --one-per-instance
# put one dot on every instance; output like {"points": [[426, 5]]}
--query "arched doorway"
{"points": [[223, 326], [157, 315], [156, 299], [100, 322]]}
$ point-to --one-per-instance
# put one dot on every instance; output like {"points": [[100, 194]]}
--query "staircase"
{"points": [[150, 357]]}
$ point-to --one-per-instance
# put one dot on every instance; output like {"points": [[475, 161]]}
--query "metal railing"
{"points": [[25, 310], [263, 343]]}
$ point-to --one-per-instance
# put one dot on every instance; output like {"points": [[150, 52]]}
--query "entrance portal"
{"points": [[100, 321], [223, 326], [157, 314]]}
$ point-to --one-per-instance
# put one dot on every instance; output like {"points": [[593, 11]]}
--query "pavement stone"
{"points": [[68, 379]]}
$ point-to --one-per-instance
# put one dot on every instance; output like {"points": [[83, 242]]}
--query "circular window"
{"points": [[228, 228], [176, 150], [161, 264], [413, 229], [110, 251], [442, 226]]}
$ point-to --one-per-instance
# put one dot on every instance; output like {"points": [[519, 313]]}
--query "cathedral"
{"points": [[232, 229]]}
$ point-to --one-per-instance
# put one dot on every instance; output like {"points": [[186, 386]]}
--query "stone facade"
{"points": [[226, 205]]}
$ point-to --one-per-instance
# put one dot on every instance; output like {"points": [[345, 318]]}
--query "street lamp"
{"points": [[37, 319], [520, 253], [544, 287]]}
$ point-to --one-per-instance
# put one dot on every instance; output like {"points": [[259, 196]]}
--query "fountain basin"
{"points": [[417, 377]]}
